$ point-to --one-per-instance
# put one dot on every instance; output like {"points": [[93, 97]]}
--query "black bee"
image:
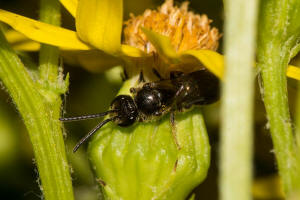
{"points": [[153, 99]]}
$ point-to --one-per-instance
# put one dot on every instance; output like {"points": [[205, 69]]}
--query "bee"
{"points": [[154, 99]]}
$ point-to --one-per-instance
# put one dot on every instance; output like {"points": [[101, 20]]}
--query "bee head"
{"points": [[126, 110]]}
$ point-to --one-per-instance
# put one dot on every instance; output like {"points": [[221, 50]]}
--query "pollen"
{"points": [[185, 29]]}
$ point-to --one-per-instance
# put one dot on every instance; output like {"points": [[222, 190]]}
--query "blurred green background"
{"points": [[91, 93]]}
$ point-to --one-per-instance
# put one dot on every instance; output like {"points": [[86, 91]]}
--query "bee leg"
{"points": [[173, 128], [64, 105], [141, 77], [124, 76], [156, 73], [175, 74], [133, 90]]}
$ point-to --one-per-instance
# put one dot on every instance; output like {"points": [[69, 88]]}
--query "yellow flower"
{"points": [[96, 44], [145, 164]]}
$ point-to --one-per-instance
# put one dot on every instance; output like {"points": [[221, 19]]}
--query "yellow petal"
{"points": [[267, 188], [13, 36], [92, 60], [130, 51], [70, 5], [212, 60], [99, 23], [162, 45], [20, 42], [293, 72], [27, 46], [42, 32], [215, 63]]}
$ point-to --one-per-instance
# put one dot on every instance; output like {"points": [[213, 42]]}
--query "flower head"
{"points": [[169, 31], [183, 40], [185, 29]]}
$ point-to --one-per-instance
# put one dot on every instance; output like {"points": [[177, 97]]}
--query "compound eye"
{"points": [[148, 101]]}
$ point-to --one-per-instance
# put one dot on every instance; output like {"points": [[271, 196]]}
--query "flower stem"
{"points": [[49, 13], [276, 103], [277, 44], [237, 104], [39, 105], [297, 118]]}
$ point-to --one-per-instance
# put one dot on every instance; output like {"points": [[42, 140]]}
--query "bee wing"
{"points": [[163, 85]]}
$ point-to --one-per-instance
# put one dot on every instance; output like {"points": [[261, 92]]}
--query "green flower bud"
{"points": [[143, 161]]}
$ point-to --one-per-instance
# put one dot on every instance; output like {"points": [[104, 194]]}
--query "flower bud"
{"points": [[143, 161]]}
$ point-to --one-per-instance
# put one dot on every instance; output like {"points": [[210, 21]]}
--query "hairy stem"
{"points": [[297, 119], [39, 105], [277, 43], [237, 104], [276, 103]]}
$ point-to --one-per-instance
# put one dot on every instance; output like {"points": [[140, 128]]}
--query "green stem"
{"points": [[276, 103], [237, 100], [39, 106], [297, 118], [49, 13], [277, 43]]}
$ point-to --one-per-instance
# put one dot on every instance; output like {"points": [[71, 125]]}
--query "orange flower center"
{"points": [[185, 29]]}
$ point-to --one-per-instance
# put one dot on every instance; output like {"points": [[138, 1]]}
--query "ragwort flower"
{"points": [[96, 44], [141, 161], [97, 40]]}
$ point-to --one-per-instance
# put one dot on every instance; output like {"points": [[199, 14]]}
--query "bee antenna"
{"points": [[85, 117], [92, 132]]}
